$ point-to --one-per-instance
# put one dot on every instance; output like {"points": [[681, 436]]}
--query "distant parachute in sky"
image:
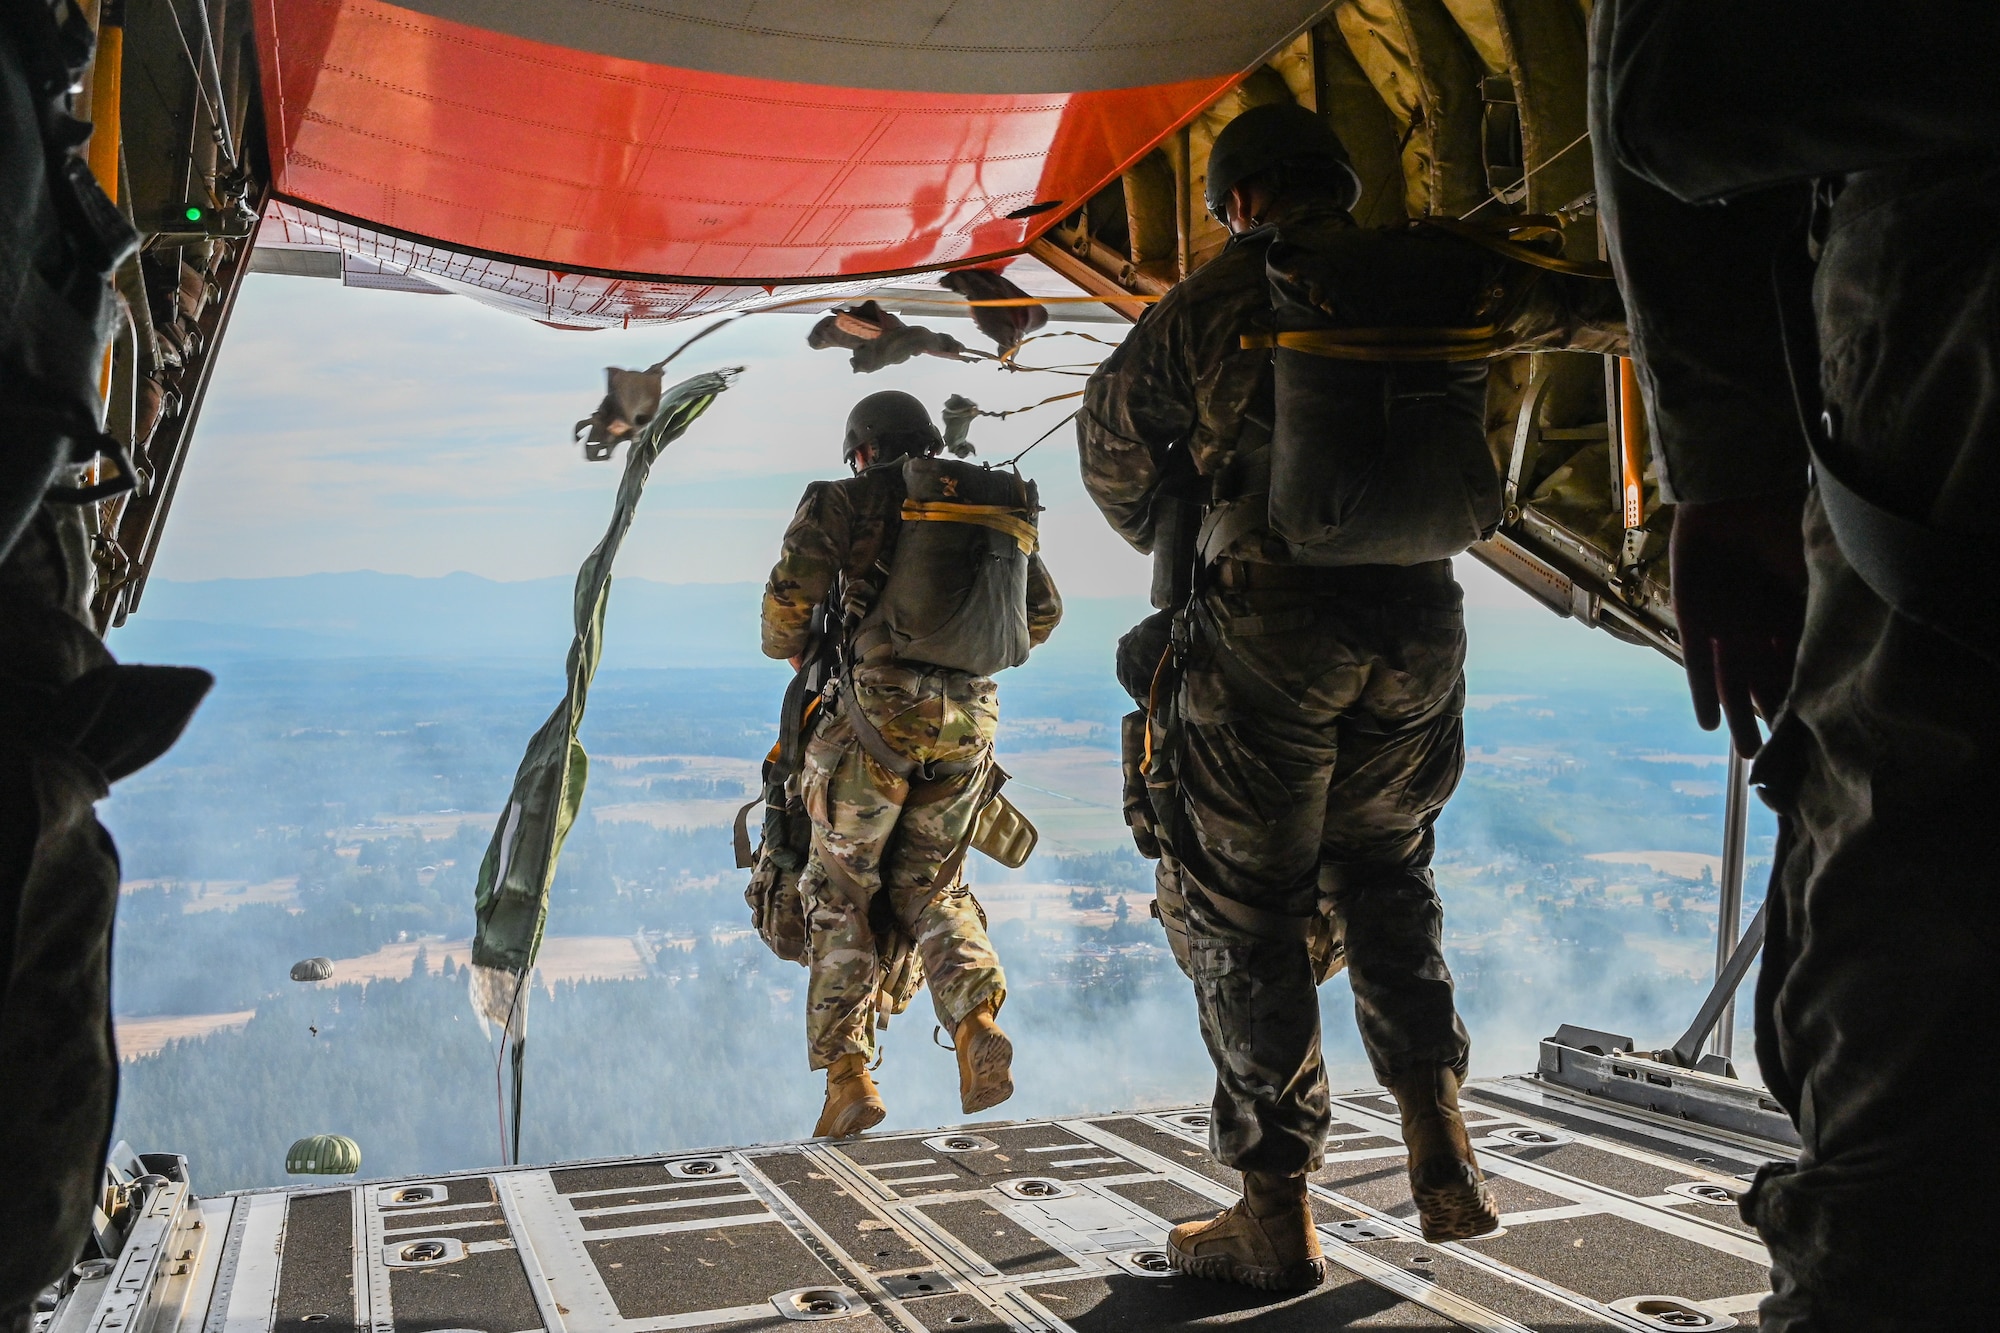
{"points": [[324, 1154], [312, 969]]}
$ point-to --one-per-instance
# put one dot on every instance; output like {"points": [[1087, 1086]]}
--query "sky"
{"points": [[354, 429]]}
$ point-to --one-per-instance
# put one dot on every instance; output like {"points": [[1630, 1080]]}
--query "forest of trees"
{"points": [[709, 1053], [311, 771]]}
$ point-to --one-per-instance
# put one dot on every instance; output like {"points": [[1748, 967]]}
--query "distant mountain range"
{"points": [[463, 617]]}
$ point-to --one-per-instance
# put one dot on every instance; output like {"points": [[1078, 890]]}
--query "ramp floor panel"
{"points": [[1384, 1184], [317, 1290], [1125, 1304], [1030, 1227], [995, 1239], [487, 1292]]}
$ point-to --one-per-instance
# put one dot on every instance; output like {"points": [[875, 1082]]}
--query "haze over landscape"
{"points": [[335, 794]]}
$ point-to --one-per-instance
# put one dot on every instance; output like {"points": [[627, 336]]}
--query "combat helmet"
{"points": [[1275, 134], [894, 424]]}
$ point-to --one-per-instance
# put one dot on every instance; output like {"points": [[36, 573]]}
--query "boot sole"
{"points": [[1301, 1276], [1458, 1214], [855, 1119], [991, 1062]]}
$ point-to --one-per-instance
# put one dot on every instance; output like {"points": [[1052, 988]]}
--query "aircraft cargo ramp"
{"points": [[1615, 1217]]}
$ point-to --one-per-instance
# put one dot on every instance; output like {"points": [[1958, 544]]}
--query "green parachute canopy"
{"points": [[312, 969], [324, 1155]]}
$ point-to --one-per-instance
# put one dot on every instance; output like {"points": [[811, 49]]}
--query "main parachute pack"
{"points": [[1377, 451], [1379, 462], [957, 591]]}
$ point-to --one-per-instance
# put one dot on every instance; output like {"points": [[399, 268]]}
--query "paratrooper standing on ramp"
{"points": [[1315, 732]]}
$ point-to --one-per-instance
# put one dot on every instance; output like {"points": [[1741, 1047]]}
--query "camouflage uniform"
{"points": [[58, 894], [873, 830], [1877, 994], [1321, 731]]}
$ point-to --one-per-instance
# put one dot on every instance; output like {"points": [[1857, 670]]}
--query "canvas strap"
{"points": [[998, 517]]}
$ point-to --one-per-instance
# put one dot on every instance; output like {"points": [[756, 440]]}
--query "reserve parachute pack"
{"points": [[957, 591]]}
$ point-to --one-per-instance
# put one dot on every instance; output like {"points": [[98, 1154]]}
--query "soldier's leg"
{"points": [[1878, 994], [1387, 793], [960, 966], [1253, 789], [841, 976], [1261, 706], [1876, 1001], [938, 910], [1265, 717], [58, 1067], [853, 817], [1389, 788], [954, 726]]}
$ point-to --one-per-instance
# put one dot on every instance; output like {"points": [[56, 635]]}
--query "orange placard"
{"points": [[1631, 442]]}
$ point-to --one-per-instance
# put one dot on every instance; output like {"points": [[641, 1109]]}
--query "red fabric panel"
{"points": [[484, 142]]}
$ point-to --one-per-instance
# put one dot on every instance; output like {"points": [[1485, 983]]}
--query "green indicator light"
{"points": [[194, 215]]}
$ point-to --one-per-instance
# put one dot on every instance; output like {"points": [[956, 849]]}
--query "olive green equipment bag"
{"points": [[776, 910], [1379, 462], [957, 591], [1004, 833]]}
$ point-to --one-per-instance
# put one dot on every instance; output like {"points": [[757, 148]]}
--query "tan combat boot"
{"points": [[1265, 1239], [1451, 1195], [985, 1060], [852, 1104]]}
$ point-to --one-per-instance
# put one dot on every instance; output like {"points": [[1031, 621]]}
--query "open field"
{"points": [[1074, 795], [215, 895], [1681, 865], [143, 1036], [563, 958], [1048, 904], [431, 825], [696, 814], [1675, 955]]}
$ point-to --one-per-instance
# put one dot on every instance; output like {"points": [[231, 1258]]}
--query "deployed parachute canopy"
{"points": [[312, 969], [324, 1155]]}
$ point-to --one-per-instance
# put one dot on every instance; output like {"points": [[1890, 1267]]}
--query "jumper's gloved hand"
{"points": [[1739, 580]]}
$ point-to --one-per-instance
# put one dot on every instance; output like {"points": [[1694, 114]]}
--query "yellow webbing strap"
{"points": [[998, 517], [1412, 344], [1524, 254]]}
